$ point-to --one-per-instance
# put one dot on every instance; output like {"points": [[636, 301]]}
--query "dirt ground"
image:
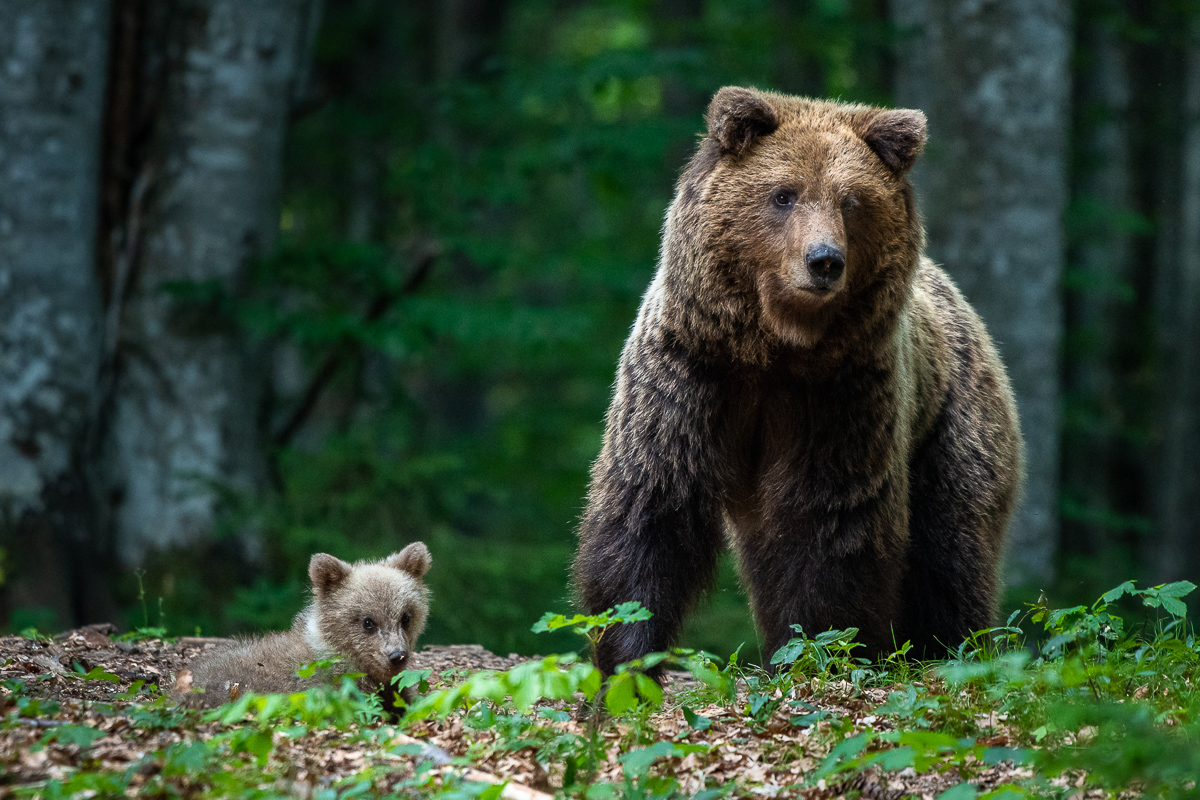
{"points": [[767, 761]]}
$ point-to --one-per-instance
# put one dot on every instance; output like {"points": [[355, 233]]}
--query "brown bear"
{"points": [[368, 613], [802, 380]]}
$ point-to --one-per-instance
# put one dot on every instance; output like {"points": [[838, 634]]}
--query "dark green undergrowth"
{"points": [[1098, 700]]}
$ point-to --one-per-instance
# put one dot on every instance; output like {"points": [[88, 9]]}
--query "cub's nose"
{"points": [[826, 263], [397, 658]]}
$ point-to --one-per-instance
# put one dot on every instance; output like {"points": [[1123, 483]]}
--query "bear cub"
{"points": [[804, 384], [368, 613]]}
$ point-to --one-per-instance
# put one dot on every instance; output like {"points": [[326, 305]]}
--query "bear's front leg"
{"points": [[652, 529], [827, 570]]}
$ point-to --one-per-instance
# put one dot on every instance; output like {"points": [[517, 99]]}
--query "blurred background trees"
{"points": [[288, 276]]}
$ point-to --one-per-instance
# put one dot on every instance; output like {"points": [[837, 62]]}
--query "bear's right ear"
{"points": [[414, 560], [736, 117], [327, 573]]}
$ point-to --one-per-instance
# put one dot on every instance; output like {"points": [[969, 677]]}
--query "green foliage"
{"points": [[1100, 702], [585, 625]]}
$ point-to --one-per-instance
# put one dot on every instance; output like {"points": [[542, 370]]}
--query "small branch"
{"points": [[201, 641], [342, 349], [511, 790]]}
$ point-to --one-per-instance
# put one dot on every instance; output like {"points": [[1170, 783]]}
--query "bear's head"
{"points": [[372, 612], [798, 214]]}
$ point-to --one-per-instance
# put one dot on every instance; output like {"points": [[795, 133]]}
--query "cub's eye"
{"points": [[405, 618], [849, 204], [368, 624], [784, 198]]}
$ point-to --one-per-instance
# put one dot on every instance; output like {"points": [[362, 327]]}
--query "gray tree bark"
{"points": [[1177, 302], [53, 56], [185, 419], [992, 77]]}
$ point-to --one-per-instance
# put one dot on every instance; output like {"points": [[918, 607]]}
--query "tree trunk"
{"points": [[1101, 289], [51, 110], [992, 77], [1177, 517], [185, 416]]}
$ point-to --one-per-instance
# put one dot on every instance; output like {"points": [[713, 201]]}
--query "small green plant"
{"points": [[1100, 702]]}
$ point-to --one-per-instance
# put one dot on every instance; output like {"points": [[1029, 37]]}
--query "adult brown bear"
{"points": [[803, 379]]}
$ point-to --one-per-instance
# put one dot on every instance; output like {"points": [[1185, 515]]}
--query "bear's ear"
{"points": [[327, 573], [414, 560], [897, 137], [736, 117]]}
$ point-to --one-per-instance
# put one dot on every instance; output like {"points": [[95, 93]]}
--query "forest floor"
{"points": [[79, 717]]}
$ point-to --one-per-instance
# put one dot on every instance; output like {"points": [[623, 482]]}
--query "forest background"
{"points": [[286, 276]]}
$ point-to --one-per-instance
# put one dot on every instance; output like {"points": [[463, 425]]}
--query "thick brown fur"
{"points": [[369, 614], [851, 432]]}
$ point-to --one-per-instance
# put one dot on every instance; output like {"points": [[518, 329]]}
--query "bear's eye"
{"points": [[405, 618], [784, 198], [849, 204], [368, 624]]}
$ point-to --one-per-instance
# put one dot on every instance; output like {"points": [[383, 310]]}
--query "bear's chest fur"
{"points": [[810, 449]]}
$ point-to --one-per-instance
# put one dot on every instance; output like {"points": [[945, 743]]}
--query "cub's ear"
{"points": [[414, 560], [897, 137], [736, 117], [327, 573]]}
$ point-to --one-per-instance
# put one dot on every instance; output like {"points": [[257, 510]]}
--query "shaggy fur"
{"points": [[852, 433], [369, 613]]}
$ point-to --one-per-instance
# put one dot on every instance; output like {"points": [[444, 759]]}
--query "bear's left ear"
{"points": [[897, 137], [414, 560], [736, 117]]}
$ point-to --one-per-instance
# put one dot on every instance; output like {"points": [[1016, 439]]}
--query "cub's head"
{"points": [[370, 612], [804, 208]]}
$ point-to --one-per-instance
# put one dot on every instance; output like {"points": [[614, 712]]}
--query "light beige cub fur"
{"points": [[369, 614]]}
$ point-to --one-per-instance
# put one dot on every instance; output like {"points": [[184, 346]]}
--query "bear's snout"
{"points": [[397, 658], [818, 269], [825, 262]]}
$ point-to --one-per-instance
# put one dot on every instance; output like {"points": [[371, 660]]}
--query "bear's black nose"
{"points": [[826, 263], [397, 658]]}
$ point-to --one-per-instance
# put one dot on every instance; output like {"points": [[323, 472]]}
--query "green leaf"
{"points": [[77, 735], [637, 761], [1177, 589], [184, 759], [1174, 606], [995, 755], [620, 696], [898, 758], [412, 677], [696, 721], [963, 791], [552, 622], [928, 742], [1119, 592], [492, 791], [846, 750], [589, 684], [234, 712], [260, 744], [649, 691], [98, 674], [631, 612]]}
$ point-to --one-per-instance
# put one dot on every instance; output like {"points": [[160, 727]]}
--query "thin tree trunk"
{"points": [[51, 109], [1099, 305], [185, 417], [1177, 517], [992, 78]]}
